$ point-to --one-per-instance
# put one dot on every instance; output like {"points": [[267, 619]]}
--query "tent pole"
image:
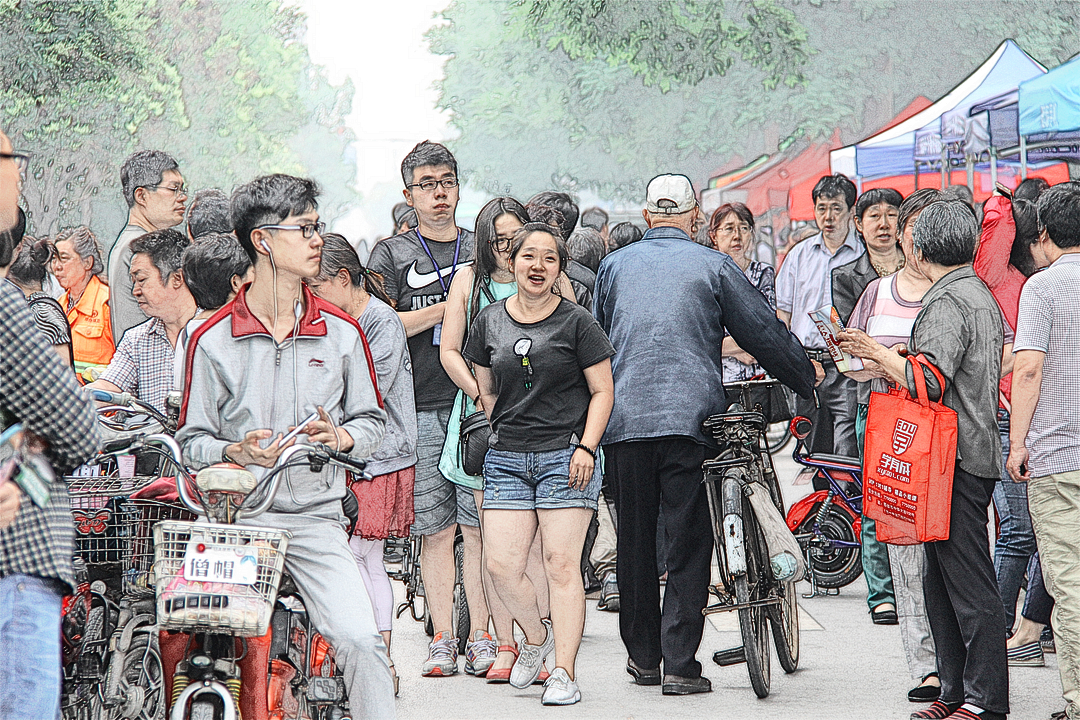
{"points": [[916, 174], [944, 166], [858, 183], [993, 166], [969, 160], [1023, 158]]}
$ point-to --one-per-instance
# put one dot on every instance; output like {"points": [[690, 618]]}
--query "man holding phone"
{"points": [[278, 358]]}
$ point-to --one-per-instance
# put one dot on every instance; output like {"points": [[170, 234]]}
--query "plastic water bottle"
{"points": [[784, 565]]}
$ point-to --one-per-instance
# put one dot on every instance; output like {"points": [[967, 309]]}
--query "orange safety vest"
{"points": [[91, 329]]}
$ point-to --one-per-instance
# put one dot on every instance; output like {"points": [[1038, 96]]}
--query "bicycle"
{"points": [[828, 523], [749, 584], [405, 552]]}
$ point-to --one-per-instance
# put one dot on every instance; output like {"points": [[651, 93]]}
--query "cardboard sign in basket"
{"points": [[908, 463]]}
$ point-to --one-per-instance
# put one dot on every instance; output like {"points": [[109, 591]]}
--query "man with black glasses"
{"points": [[254, 370], [155, 193], [418, 266]]}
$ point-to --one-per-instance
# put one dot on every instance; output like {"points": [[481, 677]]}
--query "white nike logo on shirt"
{"points": [[417, 280]]}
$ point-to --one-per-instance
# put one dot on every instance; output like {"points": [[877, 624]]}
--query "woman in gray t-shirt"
{"points": [[385, 503], [543, 367]]}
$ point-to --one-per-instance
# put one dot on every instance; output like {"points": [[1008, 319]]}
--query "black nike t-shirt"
{"points": [[542, 397], [413, 281]]}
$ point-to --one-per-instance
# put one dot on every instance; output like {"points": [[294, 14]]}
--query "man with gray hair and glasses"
{"points": [[961, 333], [155, 193]]}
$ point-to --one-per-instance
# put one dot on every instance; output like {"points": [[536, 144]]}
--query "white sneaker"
{"points": [[560, 689], [531, 660]]}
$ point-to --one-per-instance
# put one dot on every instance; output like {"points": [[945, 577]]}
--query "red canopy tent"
{"points": [[778, 187]]}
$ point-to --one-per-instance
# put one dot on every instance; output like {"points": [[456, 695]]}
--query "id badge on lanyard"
{"points": [[436, 334]]}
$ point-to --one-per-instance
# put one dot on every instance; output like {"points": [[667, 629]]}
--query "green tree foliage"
{"points": [[568, 93], [226, 88], [671, 42]]}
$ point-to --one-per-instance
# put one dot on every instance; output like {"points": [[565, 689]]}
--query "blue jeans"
{"points": [[29, 648], [1016, 541], [535, 481]]}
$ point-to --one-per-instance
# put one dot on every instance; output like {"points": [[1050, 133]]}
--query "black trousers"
{"points": [[963, 603], [650, 473]]}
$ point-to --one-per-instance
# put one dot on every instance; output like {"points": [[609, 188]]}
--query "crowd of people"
{"points": [[545, 336]]}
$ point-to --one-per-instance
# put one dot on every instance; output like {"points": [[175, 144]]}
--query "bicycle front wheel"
{"points": [[784, 621], [751, 586]]}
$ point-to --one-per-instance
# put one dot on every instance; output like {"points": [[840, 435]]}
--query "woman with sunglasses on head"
{"points": [[386, 502], [543, 370]]}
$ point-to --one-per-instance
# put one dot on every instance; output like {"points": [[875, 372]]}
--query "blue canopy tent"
{"points": [[944, 134]]}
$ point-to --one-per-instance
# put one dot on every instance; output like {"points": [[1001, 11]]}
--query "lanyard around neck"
{"points": [[438, 270]]}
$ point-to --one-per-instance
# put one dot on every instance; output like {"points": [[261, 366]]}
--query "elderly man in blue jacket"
{"points": [[665, 302]]}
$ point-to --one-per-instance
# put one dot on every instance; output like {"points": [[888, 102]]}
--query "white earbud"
{"points": [[265, 246]]}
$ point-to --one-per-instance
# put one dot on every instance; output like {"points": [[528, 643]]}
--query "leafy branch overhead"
{"points": [[671, 43], [604, 94], [226, 88]]}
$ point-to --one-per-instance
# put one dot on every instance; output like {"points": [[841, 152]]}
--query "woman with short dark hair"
{"points": [[386, 502], [543, 368], [731, 231]]}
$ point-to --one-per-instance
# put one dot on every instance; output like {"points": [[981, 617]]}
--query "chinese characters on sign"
{"points": [[221, 564]]}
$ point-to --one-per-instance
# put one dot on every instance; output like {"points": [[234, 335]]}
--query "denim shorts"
{"points": [[535, 481]]}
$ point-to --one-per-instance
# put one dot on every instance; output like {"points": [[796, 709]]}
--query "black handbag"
{"points": [[474, 432], [474, 435]]}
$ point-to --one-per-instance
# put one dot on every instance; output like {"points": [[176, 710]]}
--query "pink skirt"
{"points": [[386, 505]]}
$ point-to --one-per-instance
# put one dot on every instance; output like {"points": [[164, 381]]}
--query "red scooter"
{"points": [[828, 523]]}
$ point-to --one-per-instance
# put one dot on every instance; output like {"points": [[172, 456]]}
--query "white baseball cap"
{"points": [[670, 195]]}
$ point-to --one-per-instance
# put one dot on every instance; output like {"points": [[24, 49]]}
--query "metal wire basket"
{"points": [[217, 577], [139, 576], [104, 521]]}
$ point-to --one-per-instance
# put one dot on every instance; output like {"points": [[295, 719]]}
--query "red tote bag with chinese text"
{"points": [[908, 463]]}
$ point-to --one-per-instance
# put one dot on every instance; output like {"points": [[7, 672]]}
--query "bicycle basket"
{"points": [[103, 518], [217, 577], [139, 578]]}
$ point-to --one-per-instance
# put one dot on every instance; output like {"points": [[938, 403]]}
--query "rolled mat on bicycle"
{"points": [[908, 462]]}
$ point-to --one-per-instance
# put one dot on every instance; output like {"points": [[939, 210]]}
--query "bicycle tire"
{"points": [[749, 587], [839, 566], [784, 621]]}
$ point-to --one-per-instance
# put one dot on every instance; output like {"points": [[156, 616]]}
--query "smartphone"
{"points": [[299, 428], [1003, 190]]}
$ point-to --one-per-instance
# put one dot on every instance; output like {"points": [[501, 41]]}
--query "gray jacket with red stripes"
{"points": [[238, 379]]}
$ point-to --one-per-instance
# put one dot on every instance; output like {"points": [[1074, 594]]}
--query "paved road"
{"points": [[850, 668]]}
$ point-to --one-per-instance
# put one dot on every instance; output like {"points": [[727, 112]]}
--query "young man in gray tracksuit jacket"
{"points": [[255, 370]]}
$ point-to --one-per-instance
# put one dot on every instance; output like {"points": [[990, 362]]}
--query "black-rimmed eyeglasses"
{"points": [[501, 244], [429, 185], [306, 230]]}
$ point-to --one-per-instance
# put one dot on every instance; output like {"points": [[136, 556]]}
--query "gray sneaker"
{"points": [[442, 657], [609, 594], [560, 689], [529, 663]]}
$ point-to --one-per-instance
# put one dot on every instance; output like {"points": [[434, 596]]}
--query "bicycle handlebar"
{"points": [[317, 454]]}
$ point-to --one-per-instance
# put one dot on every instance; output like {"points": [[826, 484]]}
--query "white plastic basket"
{"points": [[217, 577]]}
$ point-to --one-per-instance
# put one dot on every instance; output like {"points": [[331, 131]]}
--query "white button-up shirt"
{"points": [[804, 282]]}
